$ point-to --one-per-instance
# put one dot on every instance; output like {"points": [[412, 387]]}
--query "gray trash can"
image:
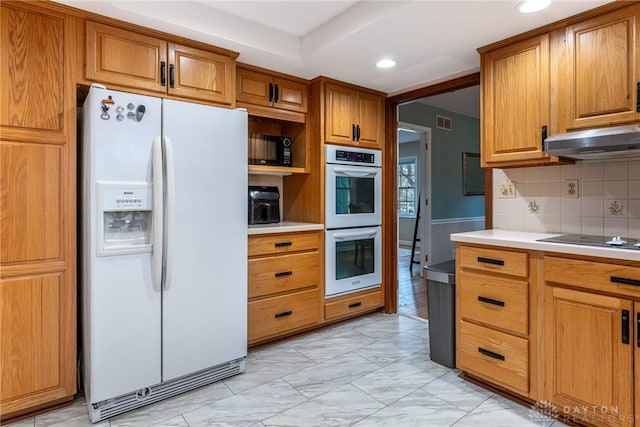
{"points": [[441, 303]]}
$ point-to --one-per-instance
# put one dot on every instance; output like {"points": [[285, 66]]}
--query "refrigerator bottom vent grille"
{"points": [[128, 402]]}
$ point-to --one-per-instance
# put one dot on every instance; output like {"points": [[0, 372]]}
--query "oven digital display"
{"points": [[354, 157], [355, 258]]}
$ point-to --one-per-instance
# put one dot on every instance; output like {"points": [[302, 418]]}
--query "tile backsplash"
{"points": [[597, 197]]}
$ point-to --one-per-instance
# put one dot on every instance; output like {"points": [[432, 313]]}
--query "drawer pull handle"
{"points": [[638, 329], [283, 314], [490, 261], [491, 301], [281, 244], [355, 304], [625, 281], [490, 353], [284, 273], [163, 73], [625, 326]]}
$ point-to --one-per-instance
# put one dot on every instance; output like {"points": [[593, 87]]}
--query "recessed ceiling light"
{"points": [[531, 6], [386, 63]]}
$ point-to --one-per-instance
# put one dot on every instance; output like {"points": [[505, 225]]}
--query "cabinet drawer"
{"points": [[620, 279], [494, 260], [282, 273], [282, 243], [345, 306], [273, 316], [494, 301], [500, 358]]}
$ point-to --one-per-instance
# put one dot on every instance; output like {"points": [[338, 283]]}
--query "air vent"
{"points": [[443, 122]]}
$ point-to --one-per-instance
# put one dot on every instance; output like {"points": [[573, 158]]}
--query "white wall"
{"points": [[608, 200], [442, 248]]}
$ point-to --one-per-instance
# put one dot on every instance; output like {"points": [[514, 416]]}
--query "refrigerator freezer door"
{"points": [[204, 320], [121, 310]]}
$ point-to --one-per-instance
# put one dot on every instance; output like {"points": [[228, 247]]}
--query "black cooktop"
{"points": [[601, 241]]}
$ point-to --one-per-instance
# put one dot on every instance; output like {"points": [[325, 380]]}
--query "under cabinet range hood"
{"points": [[602, 143]]}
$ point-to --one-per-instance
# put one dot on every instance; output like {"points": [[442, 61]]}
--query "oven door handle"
{"points": [[357, 173], [354, 236]]}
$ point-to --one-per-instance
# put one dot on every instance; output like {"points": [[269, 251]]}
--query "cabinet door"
{"points": [[254, 88], [203, 75], [340, 106], [290, 95], [125, 58], [370, 119], [37, 314], [602, 70], [515, 102], [32, 55], [589, 366]]}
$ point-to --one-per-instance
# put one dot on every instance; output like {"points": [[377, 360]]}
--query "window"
{"points": [[407, 187]]}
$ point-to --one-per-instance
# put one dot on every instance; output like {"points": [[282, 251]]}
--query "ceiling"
{"points": [[432, 41]]}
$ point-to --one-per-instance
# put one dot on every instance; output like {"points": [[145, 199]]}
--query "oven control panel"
{"points": [[353, 156]]}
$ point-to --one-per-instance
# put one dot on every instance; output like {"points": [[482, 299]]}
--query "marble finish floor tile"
{"points": [[335, 345], [370, 371], [340, 407], [397, 380], [77, 409], [247, 408], [178, 421], [388, 350], [269, 365], [458, 392], [417, 409], [331, 374], [500, 412]]}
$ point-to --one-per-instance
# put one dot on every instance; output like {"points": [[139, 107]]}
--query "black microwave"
{"points": [[269, 150]]}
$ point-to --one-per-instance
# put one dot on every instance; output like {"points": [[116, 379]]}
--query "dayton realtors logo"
{"points": [[545, 413]]}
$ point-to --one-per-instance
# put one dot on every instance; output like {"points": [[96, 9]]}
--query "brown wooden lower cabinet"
{"points": [[283, 284], [591, 342], [495, 317], [500, 357], [273, 316], [353, 304]]}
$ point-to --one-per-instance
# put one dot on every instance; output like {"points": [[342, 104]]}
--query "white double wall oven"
{"points": [[353, 218]]}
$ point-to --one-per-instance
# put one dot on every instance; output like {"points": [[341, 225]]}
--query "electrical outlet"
{"points": [[571, 190], [507, 190]]}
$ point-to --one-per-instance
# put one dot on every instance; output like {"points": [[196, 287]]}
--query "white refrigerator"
{"points": [[164, 248]]}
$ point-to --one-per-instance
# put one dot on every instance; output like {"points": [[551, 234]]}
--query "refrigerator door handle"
{"points": [[170, 212], [156, 256]]}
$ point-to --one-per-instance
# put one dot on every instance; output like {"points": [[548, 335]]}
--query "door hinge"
{"points": [[426, 258], [426, 147], [426, 202]]}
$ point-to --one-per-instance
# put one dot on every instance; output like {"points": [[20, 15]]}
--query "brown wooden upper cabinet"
{"points": [[258, 88], [515, 103], [602, 70], [126, 58], [353, 117]]}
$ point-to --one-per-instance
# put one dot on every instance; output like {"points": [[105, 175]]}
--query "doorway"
{"points": [[414, 214]]}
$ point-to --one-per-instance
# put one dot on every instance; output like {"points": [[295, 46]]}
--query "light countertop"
{"points": [[284, 227], [528, 240]]}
